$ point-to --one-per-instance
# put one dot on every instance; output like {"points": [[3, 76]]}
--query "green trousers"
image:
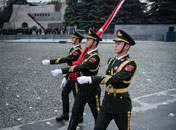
{"points": [[78, 107], [122, 120]]}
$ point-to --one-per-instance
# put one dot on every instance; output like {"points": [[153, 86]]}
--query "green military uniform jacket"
{"points": [[73, 55], [89, 67], [119, 75]]}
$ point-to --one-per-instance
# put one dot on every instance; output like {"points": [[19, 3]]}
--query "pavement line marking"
{"points": [[145, 106], [169, 90]]}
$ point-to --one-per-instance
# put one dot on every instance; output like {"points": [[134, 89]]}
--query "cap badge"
{"points": [[119, 34], [89, 32]]}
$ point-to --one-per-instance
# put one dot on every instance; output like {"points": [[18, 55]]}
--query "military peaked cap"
{"points": [[124, 37], [77, 35], [93, 35]]}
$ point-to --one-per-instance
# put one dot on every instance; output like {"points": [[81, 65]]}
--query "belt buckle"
{"points": [[109, 88], [108, 91]]}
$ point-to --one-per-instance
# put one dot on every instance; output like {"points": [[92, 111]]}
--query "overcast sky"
{"points": [[38, 0]]}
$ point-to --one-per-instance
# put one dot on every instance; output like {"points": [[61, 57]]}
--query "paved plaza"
{"points": [[30, 96]]}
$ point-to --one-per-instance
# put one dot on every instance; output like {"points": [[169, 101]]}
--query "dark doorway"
{"points": [[24, 25]]}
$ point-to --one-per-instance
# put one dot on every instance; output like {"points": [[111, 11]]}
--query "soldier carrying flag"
{"points": [[89, 65], [119, 74]]}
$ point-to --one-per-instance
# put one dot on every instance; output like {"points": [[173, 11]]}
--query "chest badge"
{"points": [[115, 68], [75, 53], [92, 60], [129, 68]]}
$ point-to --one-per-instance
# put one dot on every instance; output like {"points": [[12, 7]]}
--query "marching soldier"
{"points": [[67, 83], [119, 74], [87, 93]]}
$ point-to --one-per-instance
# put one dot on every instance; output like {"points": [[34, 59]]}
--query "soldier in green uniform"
{"points": [[119, 74], [87, 93], [67, 83]]}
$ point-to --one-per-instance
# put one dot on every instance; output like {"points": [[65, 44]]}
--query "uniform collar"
{"points": [[91, 51], [122, 56], [76, 46]]}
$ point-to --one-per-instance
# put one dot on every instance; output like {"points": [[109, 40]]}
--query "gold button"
{"points": [[121, 97]]}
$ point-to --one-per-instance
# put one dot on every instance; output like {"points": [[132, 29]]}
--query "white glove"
{"points": [[46, 62], [64, 82], [56, 72], [84, 80]]}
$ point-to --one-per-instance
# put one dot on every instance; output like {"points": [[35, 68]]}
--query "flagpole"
{"points": [[111, 17]]}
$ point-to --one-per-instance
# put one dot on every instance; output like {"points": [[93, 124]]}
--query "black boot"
{"points": [[73, 124], [62, 117], [80, 119]]}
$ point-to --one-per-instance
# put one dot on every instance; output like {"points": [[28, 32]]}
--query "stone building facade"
{"points": [[46, 15]]}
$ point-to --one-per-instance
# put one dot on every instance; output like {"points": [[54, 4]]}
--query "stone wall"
{"points": [[146, 32]]}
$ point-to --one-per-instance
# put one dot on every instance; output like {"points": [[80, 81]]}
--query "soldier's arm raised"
{"points": [[124, 76], [91, 64], [73, 56]]}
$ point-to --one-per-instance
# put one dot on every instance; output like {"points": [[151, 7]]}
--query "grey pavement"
{"points": [[151, 112], [29, 93]]}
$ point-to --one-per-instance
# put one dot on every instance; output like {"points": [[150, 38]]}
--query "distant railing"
{"points": [[13, 34]]}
